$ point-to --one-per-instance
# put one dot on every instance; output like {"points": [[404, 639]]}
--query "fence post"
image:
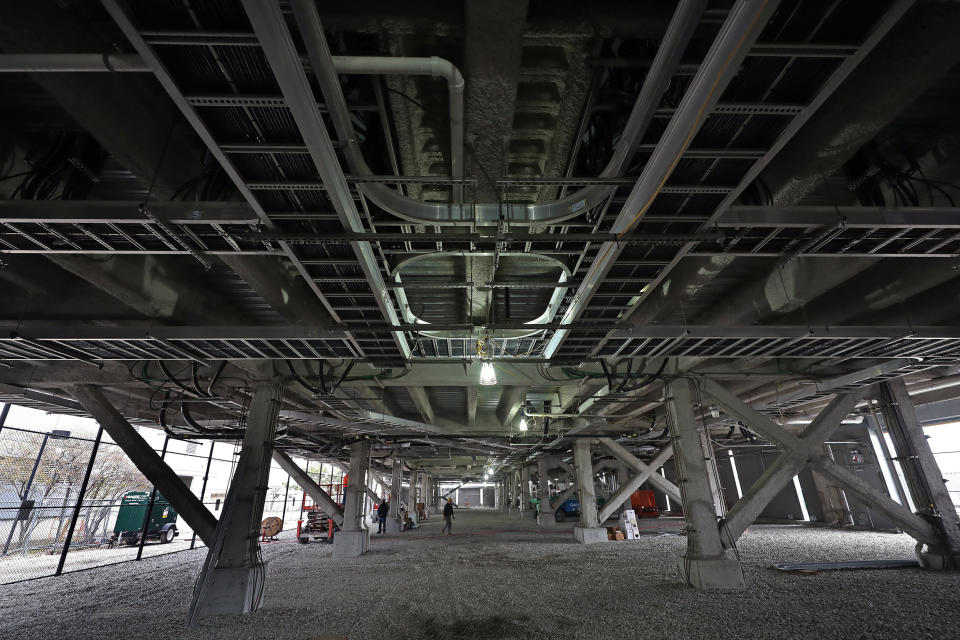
{"points": [[286, 497], [26, 492], [203, 487], [79, 505], [153, 499]]}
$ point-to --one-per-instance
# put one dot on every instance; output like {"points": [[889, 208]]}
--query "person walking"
{"points": [[382, 512], [448, 517]]}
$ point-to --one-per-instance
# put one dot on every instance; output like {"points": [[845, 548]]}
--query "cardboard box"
{"points": [[618, 535]]}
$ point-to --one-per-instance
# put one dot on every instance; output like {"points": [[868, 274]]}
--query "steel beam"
{"points": [[805, 217], [148, 462], [125, 212], [271, 28], [740, 30]]}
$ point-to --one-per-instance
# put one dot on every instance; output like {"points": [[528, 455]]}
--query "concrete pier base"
{"points": [[590, 535], [351, 544], [717, 573], [231, 591]]}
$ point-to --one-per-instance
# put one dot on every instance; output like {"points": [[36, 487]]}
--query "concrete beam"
{"points": [[308, 484], [916, 53], [421, 398], [510, 399], [472, 393], [912, 524], [493, 45], [148, 462]]}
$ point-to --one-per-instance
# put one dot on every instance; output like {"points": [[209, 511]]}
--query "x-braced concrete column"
{"points": [[354, 538], [233, 576], [547, 518], [589, 529], [706, 564], [923, 475]]}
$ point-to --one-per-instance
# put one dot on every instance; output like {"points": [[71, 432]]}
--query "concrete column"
{"points": [[354, 537], [547, 518], [524, 490], [589, 529], [412, 497], [713, 478], [706, 564], [923, 474], [231, 581]]}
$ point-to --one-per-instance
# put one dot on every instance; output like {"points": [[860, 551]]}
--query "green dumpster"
{"points": [[133, 510]]}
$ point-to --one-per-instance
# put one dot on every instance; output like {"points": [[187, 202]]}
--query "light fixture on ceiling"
{"points": [[523, 424], [487, 375]]}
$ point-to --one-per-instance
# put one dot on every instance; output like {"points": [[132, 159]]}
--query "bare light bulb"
{"points": [[487, 375]]}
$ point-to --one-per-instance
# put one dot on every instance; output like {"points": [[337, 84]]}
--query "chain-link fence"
{"points": [[69, 503]]}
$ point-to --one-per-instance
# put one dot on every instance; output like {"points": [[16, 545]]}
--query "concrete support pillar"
{"points": [[706, 564], [589, 529], [713, 478], [547, 518], [524, 490], [231, 581], [395, 488], [924, 477], [354, 537]]}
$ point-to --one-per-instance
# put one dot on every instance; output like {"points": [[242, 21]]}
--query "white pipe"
{"points": [[434, 67]]}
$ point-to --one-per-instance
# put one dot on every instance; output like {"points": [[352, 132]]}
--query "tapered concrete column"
{"points": [[394, 520], [589, 530], [706, 564], [231, 581], [354, 538], [543, 493], [524, 491]]}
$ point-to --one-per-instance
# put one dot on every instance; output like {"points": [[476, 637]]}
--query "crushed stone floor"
{"points": [[499, 577]]}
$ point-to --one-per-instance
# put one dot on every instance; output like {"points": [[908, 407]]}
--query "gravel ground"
{"points": [[498, 577]]}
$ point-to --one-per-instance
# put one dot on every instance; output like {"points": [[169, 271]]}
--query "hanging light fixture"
{"points": [[523, 424], [487, 375]]}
